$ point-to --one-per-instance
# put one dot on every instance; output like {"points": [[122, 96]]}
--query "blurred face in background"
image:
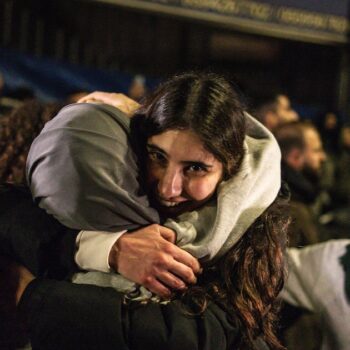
{"points": [[271, 120], [330, 121], [345, 137], [314, 153], [284, 110], [137, 89]]}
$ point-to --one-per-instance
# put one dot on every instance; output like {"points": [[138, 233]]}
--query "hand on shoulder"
{"points": [[117, 100]]}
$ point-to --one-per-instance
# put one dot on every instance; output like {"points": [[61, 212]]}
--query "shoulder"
{"points": [[157, 326], [76, 113]]}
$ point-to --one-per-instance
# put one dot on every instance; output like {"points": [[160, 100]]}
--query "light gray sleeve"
{"points": [[82, 170]]}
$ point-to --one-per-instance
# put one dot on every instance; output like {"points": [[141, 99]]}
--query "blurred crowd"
{"points": [[18, 128], [22, 117], [315, 157], [315, 165]]}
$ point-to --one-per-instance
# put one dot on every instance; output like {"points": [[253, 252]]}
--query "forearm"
{"points": [[52, 255], [93, 249], [32, 237], [62, 315]]}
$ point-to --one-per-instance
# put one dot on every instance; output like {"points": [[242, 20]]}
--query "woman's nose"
{"points": [[170, 184]]}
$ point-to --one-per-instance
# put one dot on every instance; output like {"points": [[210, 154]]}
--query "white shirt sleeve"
{"points": [[93, 249], [300, 283], [316, 277]]}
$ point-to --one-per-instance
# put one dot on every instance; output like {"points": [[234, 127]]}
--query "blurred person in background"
{"points": [[330, 131], [343, 168], [6, 103], [339, 216], [267, 115], [302, 158], [284, 110], [17, 131], [316, 301], [276, 111], [137, 89]]}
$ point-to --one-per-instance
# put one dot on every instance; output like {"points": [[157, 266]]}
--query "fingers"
{"points": [[95, 96], [120, 101], [101, 96], [157, 287], [89, 97], [164, 267], [164, 283], [183, 271], [179, 255], [171, 280], [186, 258], [167, 234]]}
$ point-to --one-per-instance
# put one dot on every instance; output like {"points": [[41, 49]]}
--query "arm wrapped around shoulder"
{"points": [[82, 164]]}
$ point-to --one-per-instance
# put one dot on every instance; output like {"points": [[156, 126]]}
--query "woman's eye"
{"points": [[196, 169], [156, 157]]}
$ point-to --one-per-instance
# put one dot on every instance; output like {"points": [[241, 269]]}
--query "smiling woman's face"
{"points": [[182, 174]]}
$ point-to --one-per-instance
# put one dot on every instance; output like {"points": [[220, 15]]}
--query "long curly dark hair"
{"points": [[17, 131], [247, 280]]}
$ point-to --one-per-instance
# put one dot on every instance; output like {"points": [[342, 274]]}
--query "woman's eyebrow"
{"points": [[153, 147], [196, 162]]}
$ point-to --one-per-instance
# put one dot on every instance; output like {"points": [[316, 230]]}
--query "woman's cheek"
{"points": [[201, 188], [154, 172]]}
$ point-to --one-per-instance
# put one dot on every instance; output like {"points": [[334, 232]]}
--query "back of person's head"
{"points": [[266, 113], [289, 137], [204, 103], [285, 112], [301, 147]]}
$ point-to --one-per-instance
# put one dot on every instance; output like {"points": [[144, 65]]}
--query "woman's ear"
{"points": [[296, 159]]}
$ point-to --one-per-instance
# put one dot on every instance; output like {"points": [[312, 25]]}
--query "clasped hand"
{"points": [[149, 257]]}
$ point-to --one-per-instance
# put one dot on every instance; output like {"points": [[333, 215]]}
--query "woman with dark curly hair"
{"points": [[18, 129], [210, 169]]}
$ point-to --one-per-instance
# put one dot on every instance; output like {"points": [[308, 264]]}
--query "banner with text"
{"points": [[323, 21]]}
